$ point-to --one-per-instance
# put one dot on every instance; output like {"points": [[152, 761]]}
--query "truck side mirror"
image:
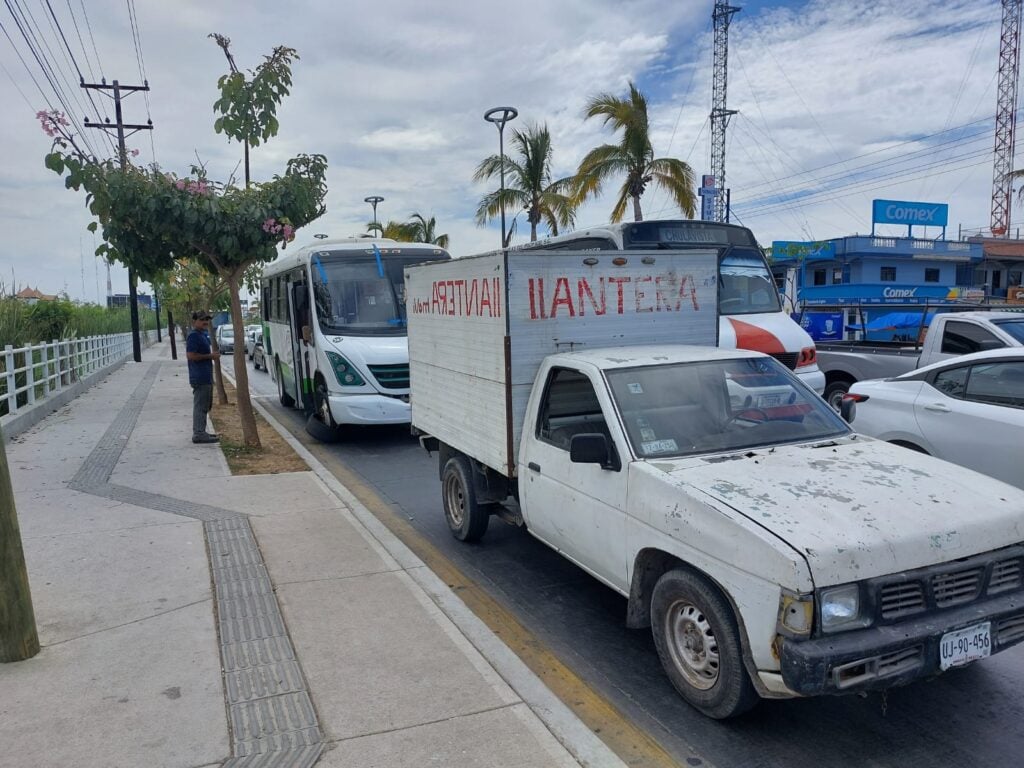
{"points": [[592, 448]]}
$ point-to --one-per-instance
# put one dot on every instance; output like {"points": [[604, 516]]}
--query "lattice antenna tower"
{"points": [[1006, 117], [721, 15]]}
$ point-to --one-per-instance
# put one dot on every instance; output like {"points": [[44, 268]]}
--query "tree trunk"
{"points": [[245, 414], [638, 215], [18, 637], [218, 376], [533, 232]]}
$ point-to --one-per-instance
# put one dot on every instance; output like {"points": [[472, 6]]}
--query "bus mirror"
{"points": [[307, 334]]}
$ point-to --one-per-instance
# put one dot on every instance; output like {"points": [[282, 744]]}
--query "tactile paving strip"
{"points": [[273, 722]]}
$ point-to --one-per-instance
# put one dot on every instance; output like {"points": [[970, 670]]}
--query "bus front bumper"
{"points": [[369, 409], [813, 377]]}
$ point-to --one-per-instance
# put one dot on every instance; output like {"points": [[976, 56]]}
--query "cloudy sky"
{"points": [[840, 101]]}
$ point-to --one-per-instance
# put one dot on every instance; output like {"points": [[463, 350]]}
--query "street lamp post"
{"points": [[499, 116], [373, 200]]}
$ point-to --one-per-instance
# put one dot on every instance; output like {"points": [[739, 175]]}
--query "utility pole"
{"points": [[120, 126], [19, 639]]}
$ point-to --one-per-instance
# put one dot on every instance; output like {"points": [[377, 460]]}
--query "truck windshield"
{"points": [[718, 406], [1013, 327], [358, 296]]}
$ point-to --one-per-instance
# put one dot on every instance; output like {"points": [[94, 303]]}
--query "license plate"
{"points": [[769, 401], [965, 645]]}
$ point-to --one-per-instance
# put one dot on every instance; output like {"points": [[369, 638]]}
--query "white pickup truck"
{"points": [[950, 334], [772, 552]]}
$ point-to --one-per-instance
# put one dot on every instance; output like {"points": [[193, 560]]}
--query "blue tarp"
{"points": [[894, 321]]}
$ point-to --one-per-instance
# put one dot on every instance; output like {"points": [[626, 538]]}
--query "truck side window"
{"points": [[570, 407], [964, 338]]}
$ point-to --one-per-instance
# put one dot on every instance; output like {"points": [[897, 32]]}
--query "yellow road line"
{"points": [[631, 743]]}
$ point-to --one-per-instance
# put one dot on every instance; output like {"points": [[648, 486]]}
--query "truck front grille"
{"points": [[788, 359], [391, 376], [1010, 630], [898, 600], [952, 584]]}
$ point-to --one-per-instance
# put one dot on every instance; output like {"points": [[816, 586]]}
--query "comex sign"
{"points": [[901, 212]]}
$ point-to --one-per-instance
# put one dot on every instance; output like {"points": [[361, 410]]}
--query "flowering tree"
{"points": [[150, 218]]}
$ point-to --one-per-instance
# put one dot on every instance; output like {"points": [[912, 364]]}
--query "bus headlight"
{"points": [[841, 608], [344, 371]]}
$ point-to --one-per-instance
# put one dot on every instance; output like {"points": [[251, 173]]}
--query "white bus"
{"points": [[751, 315], [335, 330]]}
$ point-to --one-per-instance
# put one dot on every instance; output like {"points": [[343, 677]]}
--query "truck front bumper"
{"points": [[893, 654], [369, 409]]}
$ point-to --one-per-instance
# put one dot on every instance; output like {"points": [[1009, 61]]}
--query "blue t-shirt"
{"points": [[199, 372]]}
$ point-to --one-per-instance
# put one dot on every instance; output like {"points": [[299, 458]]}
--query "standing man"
{"points": [[200, 375]]}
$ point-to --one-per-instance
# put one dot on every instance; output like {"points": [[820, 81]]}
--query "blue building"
{"points": [[833, 285]]}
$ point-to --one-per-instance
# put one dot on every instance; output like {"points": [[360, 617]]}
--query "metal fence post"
{"points": [[12, 384], [30, 374]]}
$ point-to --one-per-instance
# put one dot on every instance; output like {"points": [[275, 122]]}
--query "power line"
{"points": [[81, 78], [137, 39], [88, 25], [877, 183]]}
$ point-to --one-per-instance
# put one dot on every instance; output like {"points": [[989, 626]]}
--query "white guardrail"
{"points": [[35, 371]]}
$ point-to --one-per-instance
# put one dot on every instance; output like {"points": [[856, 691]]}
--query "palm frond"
{"points": [[677, 179], [620, 205], [490, 205]]}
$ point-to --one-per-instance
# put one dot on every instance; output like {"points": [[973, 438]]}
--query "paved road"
{"points": [[969, 716]]}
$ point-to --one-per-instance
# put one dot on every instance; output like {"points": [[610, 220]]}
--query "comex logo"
{"points": [[911, 215], [899, 293]]}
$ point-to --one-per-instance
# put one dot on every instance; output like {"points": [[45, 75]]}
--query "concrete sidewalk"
{"points": [[191, 618]]}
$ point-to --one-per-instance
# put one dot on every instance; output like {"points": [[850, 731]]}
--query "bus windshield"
{"points": [[357, 295], [746, 284]]}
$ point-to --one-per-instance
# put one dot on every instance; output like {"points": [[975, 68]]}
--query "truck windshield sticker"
{"points": [[648, 435], [635, 388], [659, 446]]}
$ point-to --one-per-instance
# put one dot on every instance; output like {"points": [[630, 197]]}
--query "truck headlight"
{"points": [[841, 608], [344, 371]]}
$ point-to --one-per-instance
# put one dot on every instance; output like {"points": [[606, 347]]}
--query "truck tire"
{"points": [[285, 399], [834, 392], [467, 518], [699, 646]]}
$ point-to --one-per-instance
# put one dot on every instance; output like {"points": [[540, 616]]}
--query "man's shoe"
{"points": [[205, 438]]}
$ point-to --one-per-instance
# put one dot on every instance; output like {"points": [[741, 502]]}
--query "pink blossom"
{"points": [[135, 153], [179, 184]]}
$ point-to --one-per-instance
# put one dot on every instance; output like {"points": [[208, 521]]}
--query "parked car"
{"points": [[259, 358], [226, 339], [250, 338], [968, 410], [948, 335]]}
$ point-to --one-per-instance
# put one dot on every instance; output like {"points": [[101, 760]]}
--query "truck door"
{"points": [[579, 509]]}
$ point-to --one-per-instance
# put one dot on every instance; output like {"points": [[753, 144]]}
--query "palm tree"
{"points": [[633, 156], [423, 231], [528, 184], [393, 230]]}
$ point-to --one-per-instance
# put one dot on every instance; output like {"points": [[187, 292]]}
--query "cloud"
{"points": [[403, 140]]}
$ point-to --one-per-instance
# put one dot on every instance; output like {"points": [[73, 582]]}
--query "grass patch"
{"points": [[273, 457]]}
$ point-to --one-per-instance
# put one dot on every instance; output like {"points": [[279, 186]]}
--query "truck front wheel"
{"points": [[467, 518], [699, 646]]}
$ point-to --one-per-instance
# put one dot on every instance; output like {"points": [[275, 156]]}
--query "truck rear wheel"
{"points": [[834, 392], [699, 646], [467, 518]]}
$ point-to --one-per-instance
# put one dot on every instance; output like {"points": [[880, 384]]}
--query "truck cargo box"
{"points": [[480, 326]]}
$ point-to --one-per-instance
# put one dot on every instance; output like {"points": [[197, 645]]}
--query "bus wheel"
{"points": [[286, 400], [321, 424], [466, 517]]}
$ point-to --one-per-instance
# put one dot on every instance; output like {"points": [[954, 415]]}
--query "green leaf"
{"points": [[92, 226]]}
